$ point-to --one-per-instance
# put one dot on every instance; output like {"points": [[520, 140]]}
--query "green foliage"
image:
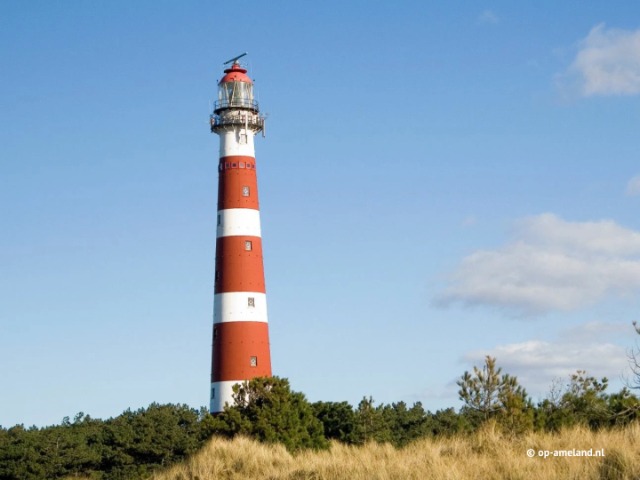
{"points": [[407, 424], [129, 446], [371, 423], [20, 454], [266, 409], [447, 422], [337, 418], [137, 443], [624, 407], [396, 423], [583, 401], [488, 394]]}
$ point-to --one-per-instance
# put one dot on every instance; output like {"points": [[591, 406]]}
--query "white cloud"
{"points": [[550, 265], [604, 237], [596, 331], [488, 17], [633, 187], [538, 363], [607, 63]]}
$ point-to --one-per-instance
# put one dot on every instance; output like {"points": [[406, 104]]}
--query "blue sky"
{"points": [[438, 183]]}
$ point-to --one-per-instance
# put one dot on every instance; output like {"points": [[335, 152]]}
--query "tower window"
{"points": [[217, 275], [213, 392], [253, 361], [219, 220], [215, 332], [251, 302], [248, 245], [245, 191], [241, 164]]}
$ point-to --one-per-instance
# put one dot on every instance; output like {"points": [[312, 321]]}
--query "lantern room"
{"points": [[235, 90]]}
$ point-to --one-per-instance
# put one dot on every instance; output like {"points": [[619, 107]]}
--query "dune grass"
{"points": [[486, 454]]}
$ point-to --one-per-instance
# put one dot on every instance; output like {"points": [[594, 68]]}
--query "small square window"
{"points": [[251, 301], [253, 361], [245, 191], [248, 246], [241, 164]]}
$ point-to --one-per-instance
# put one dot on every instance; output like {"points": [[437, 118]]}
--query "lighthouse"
{"points": [[240, 326]]}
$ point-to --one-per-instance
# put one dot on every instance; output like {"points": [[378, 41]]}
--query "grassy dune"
{"points": [[487, 454]]}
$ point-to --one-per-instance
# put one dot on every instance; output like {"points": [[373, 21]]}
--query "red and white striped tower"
{"points": [[240, 327]]}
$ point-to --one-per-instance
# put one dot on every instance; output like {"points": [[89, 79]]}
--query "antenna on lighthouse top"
{"points": [[235, 59]]}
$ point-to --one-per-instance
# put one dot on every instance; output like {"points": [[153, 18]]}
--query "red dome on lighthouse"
{"points": [[236, 74]]}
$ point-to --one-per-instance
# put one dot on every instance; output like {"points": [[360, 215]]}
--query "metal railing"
{"points": [[236, 103], [256, 122]]}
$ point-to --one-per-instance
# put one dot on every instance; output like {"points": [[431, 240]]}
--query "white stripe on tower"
{"points": [[240, 307], [229, 144], [238, 221], [219, 392]]}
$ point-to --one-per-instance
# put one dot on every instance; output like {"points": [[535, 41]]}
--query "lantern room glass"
{"points": [[235, 94]]}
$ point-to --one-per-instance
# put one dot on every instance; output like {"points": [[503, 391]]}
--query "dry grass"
{"points": [[487, 454]]}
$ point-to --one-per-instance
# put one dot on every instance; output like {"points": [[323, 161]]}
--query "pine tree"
{"points": [[488, 394], [266, 409]]}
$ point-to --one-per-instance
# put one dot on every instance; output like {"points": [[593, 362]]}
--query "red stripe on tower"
{"points": [[240, 326]]}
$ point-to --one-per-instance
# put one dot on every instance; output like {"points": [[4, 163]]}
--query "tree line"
{"points": [[136, 443], [129, 446], [266, 409]]}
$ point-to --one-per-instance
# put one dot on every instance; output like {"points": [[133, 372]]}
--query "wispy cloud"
{"points": [[538, 363], [488, 17], [549, 264], [633, 187], [607, 63], [595, 331]]}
